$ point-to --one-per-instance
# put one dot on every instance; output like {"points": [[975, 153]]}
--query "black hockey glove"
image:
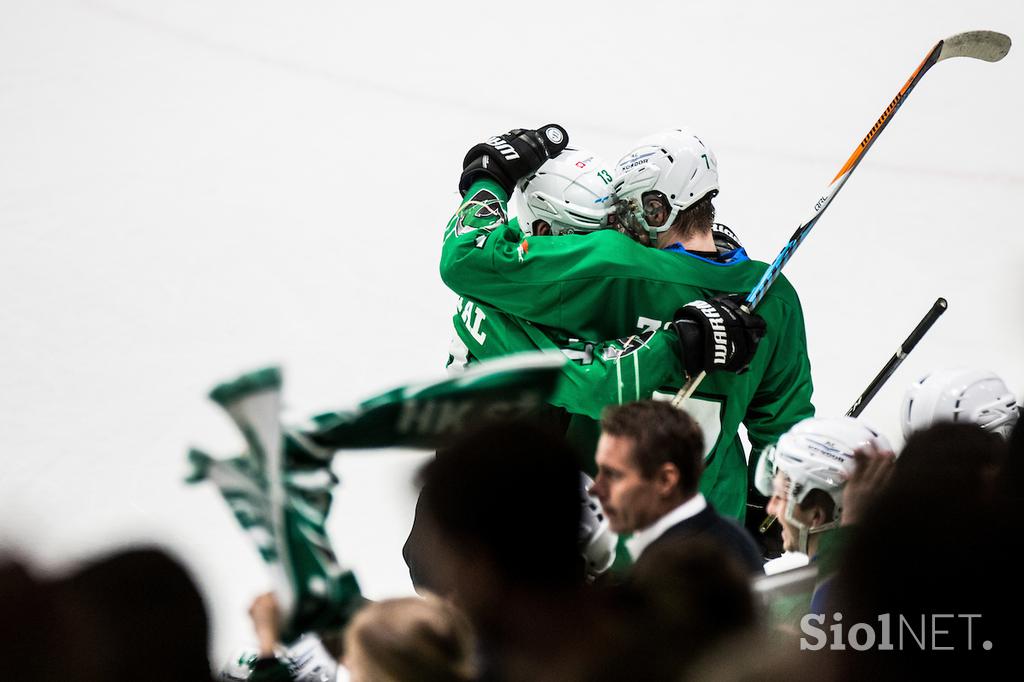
{"points": [[717, 334], [510, 157], [725, 238]]}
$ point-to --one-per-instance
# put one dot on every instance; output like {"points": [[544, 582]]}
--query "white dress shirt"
{"points": [[642, 538]]}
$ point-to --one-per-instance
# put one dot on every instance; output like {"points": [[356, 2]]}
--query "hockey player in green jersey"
{"points": [[607, 285], [569, 194]]}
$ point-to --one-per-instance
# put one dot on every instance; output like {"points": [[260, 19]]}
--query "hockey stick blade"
{"points": [[936, 311], [989, 46]]}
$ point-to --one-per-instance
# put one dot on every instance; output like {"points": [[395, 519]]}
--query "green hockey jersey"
{"points": [[600, 374], [602, 286]]}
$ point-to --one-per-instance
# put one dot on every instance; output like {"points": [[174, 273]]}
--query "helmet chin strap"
{"points": [[804, 532], [803, 538]]}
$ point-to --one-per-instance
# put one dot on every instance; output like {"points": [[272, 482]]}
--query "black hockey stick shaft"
{"points": [[895, 361], [937, 309]]}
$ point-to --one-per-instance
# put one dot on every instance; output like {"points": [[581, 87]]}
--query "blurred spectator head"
{"points": [[146, 616], [674, 605], [37, 641], [649, 460], [757, 655], [503, 503], [933, 543], [698, 594], [132, 615], [952, 461], [410, 640], [1012, 476]]}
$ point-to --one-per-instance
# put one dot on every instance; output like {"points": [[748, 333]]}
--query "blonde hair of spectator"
{"points": [[410, 639]]}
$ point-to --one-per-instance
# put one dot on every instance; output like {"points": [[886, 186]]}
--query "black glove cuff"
{"points": [[484, 167]]}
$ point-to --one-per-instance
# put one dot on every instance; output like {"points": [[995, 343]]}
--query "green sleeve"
{"points": [[616, 372], [487, 258], [783, 396], [601, 373]]}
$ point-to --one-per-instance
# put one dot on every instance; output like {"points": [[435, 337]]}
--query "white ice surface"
{"points": [[191, 189]]}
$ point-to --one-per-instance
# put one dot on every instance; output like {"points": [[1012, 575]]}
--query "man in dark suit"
{"points": [[649, 462]]}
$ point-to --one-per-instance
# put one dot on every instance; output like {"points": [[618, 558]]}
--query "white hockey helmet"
{"points": [[675, 163], [959, 395], [815, 454], [571, 192], [596, 540]]}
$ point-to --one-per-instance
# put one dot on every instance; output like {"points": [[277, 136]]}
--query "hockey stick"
{"points": [[898, 357], [936, 311], [985, 45]]}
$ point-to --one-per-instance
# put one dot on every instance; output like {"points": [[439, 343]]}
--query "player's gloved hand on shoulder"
{"points": [[717, 335], [510, 157]]}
